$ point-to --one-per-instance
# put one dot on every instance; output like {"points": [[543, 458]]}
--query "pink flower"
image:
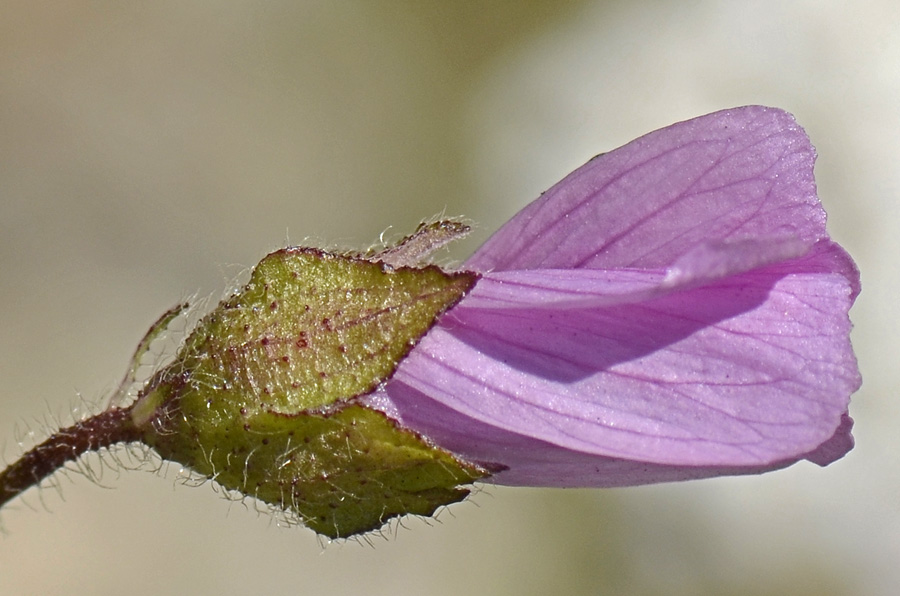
{"points": [[673, 309]]}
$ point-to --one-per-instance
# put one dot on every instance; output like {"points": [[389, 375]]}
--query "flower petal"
{"points": [[736, 175], [531, 462], [589, 288], [564, 288], [753, 370]]}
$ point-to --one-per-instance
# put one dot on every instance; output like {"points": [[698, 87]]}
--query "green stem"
{"points": [[68, 444]]}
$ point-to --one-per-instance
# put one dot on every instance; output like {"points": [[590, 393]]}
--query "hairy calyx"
{"points": [[262, 395]]}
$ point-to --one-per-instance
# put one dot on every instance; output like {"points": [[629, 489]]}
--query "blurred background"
{"points": [[151, 151]]}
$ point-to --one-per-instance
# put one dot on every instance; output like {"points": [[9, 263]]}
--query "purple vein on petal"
{"points": [[674, 201], [578, 440]]}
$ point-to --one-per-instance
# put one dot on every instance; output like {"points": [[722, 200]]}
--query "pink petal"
{"points": [[523, 461], [531, 462], [587, 288], [564, 288], [673, 309], [732, 176], [750, 371]]}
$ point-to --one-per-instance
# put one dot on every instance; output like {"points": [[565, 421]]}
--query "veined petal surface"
{"points": [[673, 309], [739, 174]]}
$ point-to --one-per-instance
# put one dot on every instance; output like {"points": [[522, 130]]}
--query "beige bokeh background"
{"points": [[149, 151]]}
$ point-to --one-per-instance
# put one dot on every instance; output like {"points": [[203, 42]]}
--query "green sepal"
{"points": [[261, 396], [340, 473]]}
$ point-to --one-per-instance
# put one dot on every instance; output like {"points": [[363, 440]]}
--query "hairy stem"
{"points": [[68, 444]]}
